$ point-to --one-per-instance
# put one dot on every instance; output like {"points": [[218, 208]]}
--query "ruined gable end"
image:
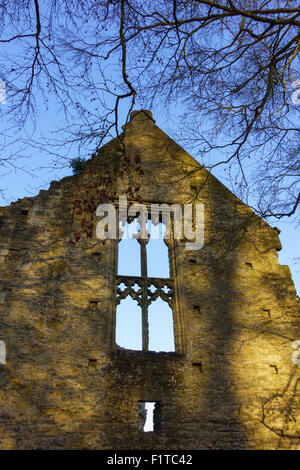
{"points": [[84, 361]]}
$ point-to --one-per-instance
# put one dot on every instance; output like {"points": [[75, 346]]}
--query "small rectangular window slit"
{"points": [[149, 416], [198, 364], [96, 256], [197, 308], [93, 305], [93, 363]]}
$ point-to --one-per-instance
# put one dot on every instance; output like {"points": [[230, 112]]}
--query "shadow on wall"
{"points": [[220, 322]]}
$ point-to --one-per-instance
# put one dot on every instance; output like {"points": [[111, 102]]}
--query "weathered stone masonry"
{"points": [[65, 384]]}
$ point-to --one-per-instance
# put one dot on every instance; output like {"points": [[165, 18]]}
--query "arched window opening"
{"points": [[129, 325], [157, 252], [129, 262], [145, 290], [161, 328]]}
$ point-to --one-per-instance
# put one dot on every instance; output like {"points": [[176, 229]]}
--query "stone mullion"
{"points": [[145, 327]]}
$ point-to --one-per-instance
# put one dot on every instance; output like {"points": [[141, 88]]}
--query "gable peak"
{"points": [[139, 119]]}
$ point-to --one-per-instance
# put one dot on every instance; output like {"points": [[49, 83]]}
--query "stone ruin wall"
{"points": [[65, 385]]}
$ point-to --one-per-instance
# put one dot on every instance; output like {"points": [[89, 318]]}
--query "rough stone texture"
{"points": [[66, 384]]}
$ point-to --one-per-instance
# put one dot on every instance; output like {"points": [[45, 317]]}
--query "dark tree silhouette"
{"points": [[230, 65]]}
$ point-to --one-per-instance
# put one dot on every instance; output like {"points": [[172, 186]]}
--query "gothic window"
{"points": [[144, 290]]}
